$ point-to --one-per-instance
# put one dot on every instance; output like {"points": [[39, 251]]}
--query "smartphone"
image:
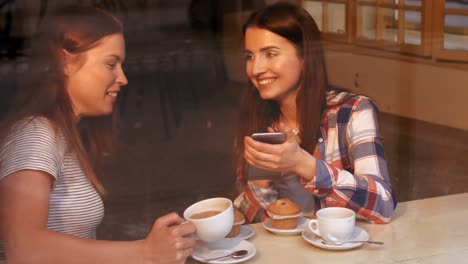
{"points": [[270, 137], [254, 173]]}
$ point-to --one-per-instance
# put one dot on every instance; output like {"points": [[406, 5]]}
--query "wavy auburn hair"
{"points": [[42, 93]]}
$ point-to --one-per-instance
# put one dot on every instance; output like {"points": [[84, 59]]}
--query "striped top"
{"points": [[351, 168], [75, 207]]}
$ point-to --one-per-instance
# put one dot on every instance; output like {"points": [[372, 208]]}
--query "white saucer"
{"points": [[358, 234], [301, 224], [246, 232], [223, 247]]}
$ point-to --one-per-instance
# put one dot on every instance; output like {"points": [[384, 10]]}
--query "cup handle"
{"points": [[314, 227], [195, 237], [192, 235]]}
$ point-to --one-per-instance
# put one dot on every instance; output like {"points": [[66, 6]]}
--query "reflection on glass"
{"points": [[389, 24], [456, 32], [336, 18], [315, 10], [413, 27], [413, 2], [456, 4], [367, 22]]}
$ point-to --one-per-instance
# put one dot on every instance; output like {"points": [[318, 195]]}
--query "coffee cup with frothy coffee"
{"points": [[213, 218]]}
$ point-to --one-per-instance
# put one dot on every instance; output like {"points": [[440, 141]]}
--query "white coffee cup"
{"points": [[334, 224], [214, 227]]}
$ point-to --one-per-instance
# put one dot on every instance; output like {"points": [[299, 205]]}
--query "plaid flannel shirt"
{"points": [[351, 169]]}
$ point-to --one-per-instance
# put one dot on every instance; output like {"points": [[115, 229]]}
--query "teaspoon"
{"points": [[347, 242], [235, 254]]}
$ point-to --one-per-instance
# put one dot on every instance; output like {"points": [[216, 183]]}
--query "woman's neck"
{"points": [[289, 114], [288, 109]]}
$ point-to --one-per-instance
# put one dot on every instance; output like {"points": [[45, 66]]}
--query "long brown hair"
{"points": [[42, 93], [295, 24]]}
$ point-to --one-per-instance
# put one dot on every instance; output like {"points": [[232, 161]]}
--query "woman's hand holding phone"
{"points": [[282, 157]]}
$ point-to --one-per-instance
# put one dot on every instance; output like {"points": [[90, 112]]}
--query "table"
{"points": [[433, 230], [428, 231]]}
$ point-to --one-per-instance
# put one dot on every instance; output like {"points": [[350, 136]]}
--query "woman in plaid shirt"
{"points": [[333, 155]]}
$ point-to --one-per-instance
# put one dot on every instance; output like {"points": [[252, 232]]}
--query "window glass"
{"points": [[456, 32], [389, 24], [395, 2], [336, 18], [316, 11], [413, 2], [368, 24], [456, 4], [412, 28]]}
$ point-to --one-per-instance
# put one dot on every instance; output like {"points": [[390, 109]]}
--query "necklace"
{"points": [[295, 130]]}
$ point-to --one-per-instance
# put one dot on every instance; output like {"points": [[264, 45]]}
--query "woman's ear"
{"points": [[70, 63]]}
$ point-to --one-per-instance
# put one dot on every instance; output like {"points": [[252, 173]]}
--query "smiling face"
{"points": [[95, 78], [272, 65]]}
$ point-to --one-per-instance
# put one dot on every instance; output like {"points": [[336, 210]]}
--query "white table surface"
{"points": [[433, 230], [428, 231]]}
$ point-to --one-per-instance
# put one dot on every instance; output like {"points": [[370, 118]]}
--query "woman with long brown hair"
{"points": [[52, 142], [333, 155]]}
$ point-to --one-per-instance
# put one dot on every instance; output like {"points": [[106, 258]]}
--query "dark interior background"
{"points": [[179, 113]]}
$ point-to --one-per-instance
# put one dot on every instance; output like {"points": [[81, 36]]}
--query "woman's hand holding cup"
{"points": [[169, 241]]}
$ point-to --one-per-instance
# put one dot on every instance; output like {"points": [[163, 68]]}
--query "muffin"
{"points": [[285, 209], [236, 226]]}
